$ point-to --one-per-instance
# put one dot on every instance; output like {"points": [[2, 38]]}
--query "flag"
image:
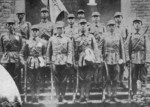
{"points": [[56, 8]]}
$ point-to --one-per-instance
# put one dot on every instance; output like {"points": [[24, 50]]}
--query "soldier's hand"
{"points": [[22, 60]]}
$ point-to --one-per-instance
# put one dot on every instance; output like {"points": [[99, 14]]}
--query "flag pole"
{"points": [[48, 6]]}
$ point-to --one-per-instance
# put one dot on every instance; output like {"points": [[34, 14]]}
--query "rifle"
{"points": [[130, 95], [52, 79], [136, 43], [107, 78], [77, 85], [25, 81]]}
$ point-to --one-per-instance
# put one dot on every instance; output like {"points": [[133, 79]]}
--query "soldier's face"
{"points": [[71, 20], [118, 19], [81, 15], [59, 30], [11, 26], [95, 19], [137, 25], [20, 15], [35, 32], [111, 28], [44, 14], [83, 26]]}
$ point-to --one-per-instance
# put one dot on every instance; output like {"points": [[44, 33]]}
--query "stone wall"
{"points": [[7, 9]]}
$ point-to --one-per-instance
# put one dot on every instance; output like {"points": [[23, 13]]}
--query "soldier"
{"points": [[122, 29], [22, 26], [12, 46], [137, 50], [72, 29], [35, 61], [120, 25], [97, 29], [87, 52], [112, 50], [45, 26], [59, 52], [81, 14]]}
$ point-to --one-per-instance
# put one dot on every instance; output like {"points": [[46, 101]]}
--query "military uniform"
{"points": [[97, 29], [59, 52], [138, 54], [46, 27], [87, 52], [112, 49], [124, 32], [12, 47], [36, 60], [23, 27]]}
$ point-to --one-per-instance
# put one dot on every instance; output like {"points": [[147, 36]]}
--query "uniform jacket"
{"points": [[59, 50], [138, 52], [46, 29], [71, 31], [24, 28], [112, 48], [12, 46], [97, 30], [83, 42], [36, 52], [123, 30]]}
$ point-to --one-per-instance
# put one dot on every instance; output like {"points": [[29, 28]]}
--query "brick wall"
{"points": [[141, 8], [7, 9]]}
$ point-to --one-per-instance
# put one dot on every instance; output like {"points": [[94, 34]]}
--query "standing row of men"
{"points": [[86, 47]]}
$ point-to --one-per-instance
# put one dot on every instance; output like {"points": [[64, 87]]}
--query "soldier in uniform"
{"points": [[97, 29], [138, 55], [59, 52], [87, 52], [81, 14], [122, 29], [35, 61], [112, 50], [22, 26], [45, 26], [12, 47], [72, 29]]}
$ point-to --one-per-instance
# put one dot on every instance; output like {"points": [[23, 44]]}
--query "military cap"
{"points": [[95, 14], [59, 24], [111, 22], [81, 11], [35, 27], [44, 9], [137, 19], [118, 14], [71, 16], [10, 20], [20, 11], [82, 21]]}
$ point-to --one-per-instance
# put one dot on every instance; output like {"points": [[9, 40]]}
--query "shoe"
{"points": [[122, 85], [82, 99], [108, 100], [34, 100], [116, 100], [87, 99], [60, 99]]}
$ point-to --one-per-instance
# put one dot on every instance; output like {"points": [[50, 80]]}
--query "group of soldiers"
{"points": [[89, 52]]}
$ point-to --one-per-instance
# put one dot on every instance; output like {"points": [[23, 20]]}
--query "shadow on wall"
{"points": [[33, 8]]}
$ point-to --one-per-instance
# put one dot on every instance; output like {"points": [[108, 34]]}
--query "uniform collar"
{"points": [[140, 32], [22, 22], [59, 35], [44, 21]]}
